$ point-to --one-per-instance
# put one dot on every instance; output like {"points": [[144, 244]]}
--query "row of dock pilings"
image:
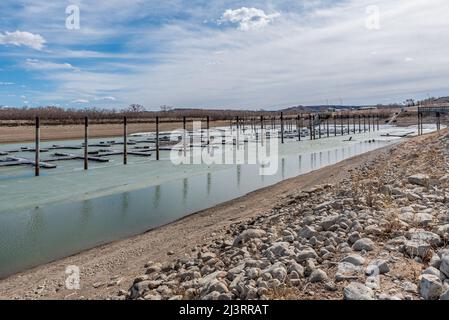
{"points": [[37, 139], [85, 147], [314, 121], [318, 125], [370, 123], [436, 110]]}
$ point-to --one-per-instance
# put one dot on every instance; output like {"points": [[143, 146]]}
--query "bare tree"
{"points": [[166, 108], [135, 108]]}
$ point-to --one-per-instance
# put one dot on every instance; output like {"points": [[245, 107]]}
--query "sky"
{"points": [[221, 54]]}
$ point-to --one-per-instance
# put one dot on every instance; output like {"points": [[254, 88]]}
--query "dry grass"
{"points": [[283, 293], [393, 225], [52, 115]]}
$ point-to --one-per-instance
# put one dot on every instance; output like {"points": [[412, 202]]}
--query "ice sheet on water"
{"points": [[20, 190]]}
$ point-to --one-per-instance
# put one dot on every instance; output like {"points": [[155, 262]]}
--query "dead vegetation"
{"points": [[52, 115]]}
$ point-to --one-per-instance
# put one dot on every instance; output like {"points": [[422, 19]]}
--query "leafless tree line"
{"points": [[136, 113]]}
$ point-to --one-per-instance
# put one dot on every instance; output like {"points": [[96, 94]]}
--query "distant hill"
{"points": [[318, 108], [441, 100], [287, 110]]}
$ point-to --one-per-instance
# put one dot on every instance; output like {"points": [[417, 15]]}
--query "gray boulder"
{"points": [[444, 266], [247, 235], [318, 275], [445, 295], [305, 254], [354, 259], [419, 180], [363, 244], [430, 287], [358, 291], [417, 248], [307, 232], [376, 267]]}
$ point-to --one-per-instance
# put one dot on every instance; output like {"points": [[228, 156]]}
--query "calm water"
{"points": [[45, 233]]}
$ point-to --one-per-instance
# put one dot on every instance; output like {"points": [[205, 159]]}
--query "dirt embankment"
{"points": [[380, 233]]}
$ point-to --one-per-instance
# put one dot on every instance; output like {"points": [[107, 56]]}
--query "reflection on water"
{"points": [[239, 169], [157, 196], [185, 189], [209, 182], [125, 201], [283, 168], [35, 236]]}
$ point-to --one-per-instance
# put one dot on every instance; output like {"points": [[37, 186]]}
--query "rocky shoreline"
{"points": [[379, 234]]}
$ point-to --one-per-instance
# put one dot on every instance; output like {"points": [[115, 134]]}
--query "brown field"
{"points": [[67, 132]]}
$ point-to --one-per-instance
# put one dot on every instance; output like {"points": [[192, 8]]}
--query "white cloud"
{"points": [[305, 57], [105, 99], [80, 101], [248, 18], [22, 38], [45, 65], [6, 83]]}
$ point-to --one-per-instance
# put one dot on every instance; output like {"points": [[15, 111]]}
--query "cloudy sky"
{"points": [[222, 53]]}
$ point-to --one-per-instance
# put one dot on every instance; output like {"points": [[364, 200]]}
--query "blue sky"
{"points": [[222, 54]]}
